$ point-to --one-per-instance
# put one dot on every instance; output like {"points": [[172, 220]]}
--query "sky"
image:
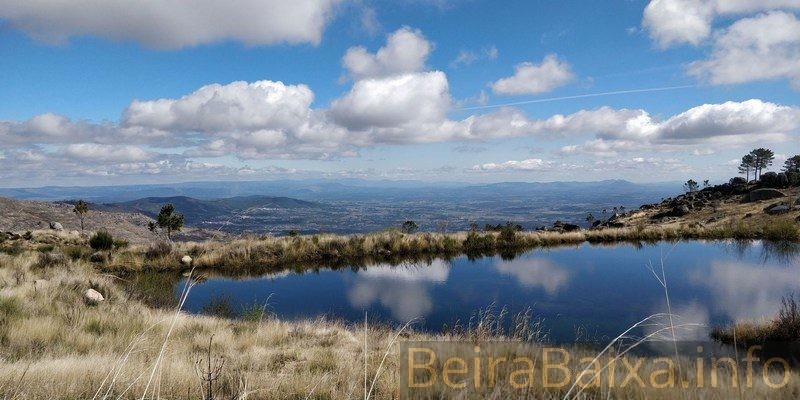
{"points": [[99, 92]]}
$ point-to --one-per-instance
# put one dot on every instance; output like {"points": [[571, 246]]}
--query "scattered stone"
{"points": [[186, 260], [56, 226], [93, 296], [766, 194]]}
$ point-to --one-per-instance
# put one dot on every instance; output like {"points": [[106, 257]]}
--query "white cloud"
{"points": [[236, 106], [723, 125], [765, 47], [536, 273], [405, 51], [532, 78], [672, 22], [395, 108], [105, 152], [172, 24], [678, 21]]}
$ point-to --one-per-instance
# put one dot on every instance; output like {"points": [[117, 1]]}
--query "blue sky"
{"points": [[110, 92]]}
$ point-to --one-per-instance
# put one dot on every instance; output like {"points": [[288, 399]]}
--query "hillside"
{"points": [[22, 215], [717, 206], [197, 211]]}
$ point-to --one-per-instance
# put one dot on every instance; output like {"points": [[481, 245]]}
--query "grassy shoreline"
{"points": [[259, 255]]}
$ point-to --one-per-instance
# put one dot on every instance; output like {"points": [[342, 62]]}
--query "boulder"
{"points": [[186, 260], [93, 296], [56, 226], [570, 227], [679, 211], [778, 209], [765, 194]]}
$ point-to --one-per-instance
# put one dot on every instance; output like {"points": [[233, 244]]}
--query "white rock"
{"points": [[93, 296], [186, 260], [56, 226]]}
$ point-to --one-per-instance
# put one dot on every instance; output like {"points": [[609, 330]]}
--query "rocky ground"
{"points": [[713, 207], [19, 216]]}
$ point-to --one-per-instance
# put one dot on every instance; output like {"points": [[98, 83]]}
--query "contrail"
{"points": [[578, 96]]}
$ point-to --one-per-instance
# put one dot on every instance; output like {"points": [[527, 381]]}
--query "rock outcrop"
{"points": [[765, 194]]}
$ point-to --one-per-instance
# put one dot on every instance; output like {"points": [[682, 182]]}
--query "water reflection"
{"points": [[747, 291], [402, 289], [535, 273], [597, 290]]}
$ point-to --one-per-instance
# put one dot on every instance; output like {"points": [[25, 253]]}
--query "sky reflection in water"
{"points": [[597, 291]]}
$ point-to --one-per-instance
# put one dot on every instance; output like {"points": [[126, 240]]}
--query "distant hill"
{"points": [[20, 216], [197, 211], [340, 190]]}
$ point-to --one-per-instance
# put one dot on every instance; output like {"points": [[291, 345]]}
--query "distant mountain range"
{"points": [[334, 190], [357, 206]]}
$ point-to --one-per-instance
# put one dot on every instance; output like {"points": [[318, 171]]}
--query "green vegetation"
{"points": [[409, 227], [81, 209], [167, 221], [691, 186], [101, 241]]}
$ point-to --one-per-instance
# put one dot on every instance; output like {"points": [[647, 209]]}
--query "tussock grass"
{"points": [[785, 327], [265, 254]]}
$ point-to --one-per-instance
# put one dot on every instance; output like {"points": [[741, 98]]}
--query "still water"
{"points": [[584, 292]]}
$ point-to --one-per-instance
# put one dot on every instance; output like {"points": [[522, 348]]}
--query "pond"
{"points": [[585, 292]]}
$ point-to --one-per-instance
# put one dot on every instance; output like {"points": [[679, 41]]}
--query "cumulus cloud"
{"points": [[765, 47], [172, 24], [530, 78], [275, 120], [405, 51], [727, 124], [672, 22], [110, 153], [394, 108]]}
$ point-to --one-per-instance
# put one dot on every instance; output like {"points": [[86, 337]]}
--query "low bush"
{"points": [[782, 229], [51, 260], [158, 250], [101, 241], [75, 252]]}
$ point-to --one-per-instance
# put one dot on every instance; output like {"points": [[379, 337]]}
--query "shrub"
{"points": [[75, 252], [45, 248], [793, 178], [158, 250], [409, 227], [28, 235], [737, 181], [13, 250], [782, 229], [120, 244], [101, 240], [51, 260]]}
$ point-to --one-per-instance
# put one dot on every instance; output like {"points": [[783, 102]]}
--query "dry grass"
{"points": [[258, 255], [55, 346]]}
